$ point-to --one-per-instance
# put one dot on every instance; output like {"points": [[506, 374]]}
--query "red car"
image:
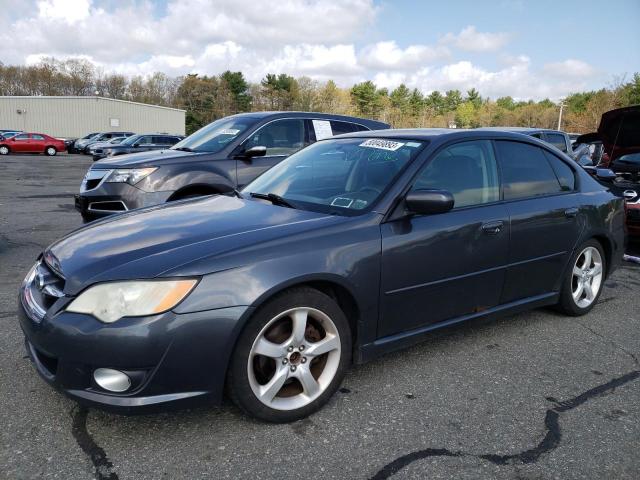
{"points": [[31, 143]]}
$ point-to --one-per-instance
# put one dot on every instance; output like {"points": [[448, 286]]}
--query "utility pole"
{"points": [[562, 105]]}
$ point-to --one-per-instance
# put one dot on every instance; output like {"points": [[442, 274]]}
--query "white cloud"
{"points": [[316, 38], [388, 56], [471, 40], [70, 11], [570, 68]]}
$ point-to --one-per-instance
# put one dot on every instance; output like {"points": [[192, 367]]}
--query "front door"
{"points": [[21, 143], [280, 137], [439, 267]]}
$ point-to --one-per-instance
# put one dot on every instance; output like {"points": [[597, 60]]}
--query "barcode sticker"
{"points": [[382, 144]]}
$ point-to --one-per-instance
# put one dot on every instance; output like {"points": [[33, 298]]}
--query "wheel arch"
{"points": [[333, 286], [196, 189]]}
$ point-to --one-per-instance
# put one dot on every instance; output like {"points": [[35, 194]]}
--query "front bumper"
{"points": [[111, 198], [173, 359]]}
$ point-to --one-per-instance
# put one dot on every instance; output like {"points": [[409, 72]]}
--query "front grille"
{"points": [[41, 289], [93, 179]]}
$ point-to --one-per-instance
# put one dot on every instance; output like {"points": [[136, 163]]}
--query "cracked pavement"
{"points": [[532, 396]]}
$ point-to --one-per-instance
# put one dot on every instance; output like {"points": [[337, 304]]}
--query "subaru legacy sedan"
{"points": [[355, 246], [218, 158]]}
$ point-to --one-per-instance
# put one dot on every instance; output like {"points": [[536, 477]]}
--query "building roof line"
{"points": [[90, 97]]}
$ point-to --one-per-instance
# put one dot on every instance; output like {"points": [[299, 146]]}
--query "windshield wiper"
{"points": [[184, 149], [273, 198]]}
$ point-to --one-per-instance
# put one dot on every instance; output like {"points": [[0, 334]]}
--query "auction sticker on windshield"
{"points": [[228, 131], [381, 144]]}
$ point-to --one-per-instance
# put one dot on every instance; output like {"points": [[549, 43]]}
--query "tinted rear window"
{"points": [[525, 171]]}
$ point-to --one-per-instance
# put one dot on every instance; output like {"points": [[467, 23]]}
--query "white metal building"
{"points": [[77, 116]]}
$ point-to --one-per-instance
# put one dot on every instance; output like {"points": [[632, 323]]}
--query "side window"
{"points": [[525, 171], [159, 140], [281, 137], [23, 136], [359, 128], [339, 128], [563, 172], [37, 137], [536, 135], [146, 140], [557, 141], [468, 170]]}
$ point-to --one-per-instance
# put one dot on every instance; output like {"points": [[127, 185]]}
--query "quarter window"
{"points": [[468, 170], [563, 172], [525, 171], [282, 137]]}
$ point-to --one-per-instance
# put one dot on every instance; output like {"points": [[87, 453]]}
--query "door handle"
{"points": [[492, 228], [571, 212]]}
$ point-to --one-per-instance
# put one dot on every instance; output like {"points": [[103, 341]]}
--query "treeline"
{"points": [[206, 98]]}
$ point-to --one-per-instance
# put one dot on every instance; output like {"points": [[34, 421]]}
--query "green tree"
{"points": [[367, 100], [239, 88]]}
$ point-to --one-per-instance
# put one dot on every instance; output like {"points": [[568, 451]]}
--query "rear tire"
{"points": [[583, 280], [291, 357], [50, 151]]}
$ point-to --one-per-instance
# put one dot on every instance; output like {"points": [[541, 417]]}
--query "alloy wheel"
{"points": [[51, 151], [587, 277], [294, 358], [4, 150]]}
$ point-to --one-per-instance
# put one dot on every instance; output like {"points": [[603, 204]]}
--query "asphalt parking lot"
{"points": [[533, 396]]}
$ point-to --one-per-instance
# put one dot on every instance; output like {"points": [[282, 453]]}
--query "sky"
{"points": [[525, 49]]}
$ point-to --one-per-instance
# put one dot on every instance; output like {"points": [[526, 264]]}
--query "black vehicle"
{"points": [[218, 158], [561, 140], [79, 144], [355, 246], [134, 144], [101, 137]]}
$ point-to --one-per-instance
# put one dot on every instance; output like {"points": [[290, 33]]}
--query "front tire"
{"points": [[584, 280], [4, 150], [291, 357], [50, 151]]}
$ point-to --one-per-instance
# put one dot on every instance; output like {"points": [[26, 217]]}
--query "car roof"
{"points": [[440, 134], [321, 116], [524, 130]]}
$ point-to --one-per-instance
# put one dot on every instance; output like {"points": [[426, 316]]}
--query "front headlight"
{"points": [[129, 175], [109, 302]]}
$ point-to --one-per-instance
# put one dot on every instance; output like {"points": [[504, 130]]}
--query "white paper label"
{"points": [[382, 144], [322, 129], [228, 131]]}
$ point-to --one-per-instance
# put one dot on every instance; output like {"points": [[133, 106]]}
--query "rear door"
{"points": [[543, 206], [37, 143], [280, 137]]}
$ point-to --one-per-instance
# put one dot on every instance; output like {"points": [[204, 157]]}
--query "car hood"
{"points": [[617, 132], [140, 159], [159, 240]]}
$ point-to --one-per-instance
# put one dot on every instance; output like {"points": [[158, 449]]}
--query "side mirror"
{"points": [[605, 174], [256, 151], [427, 202]]}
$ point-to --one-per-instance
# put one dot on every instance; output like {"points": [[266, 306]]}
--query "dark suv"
{"points": [[137, 143], [218, 158]]}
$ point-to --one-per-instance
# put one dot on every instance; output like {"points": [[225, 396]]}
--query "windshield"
{"points": [[342, 176], [217, 135], [130, 140], [91, 135]]}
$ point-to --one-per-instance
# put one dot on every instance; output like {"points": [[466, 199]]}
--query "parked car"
{"points": [[139, 143], [355, 246], [96, 149], [619, 136], [103, 137], [218, 158], [78, 145], [561, 140], [31, 143]]}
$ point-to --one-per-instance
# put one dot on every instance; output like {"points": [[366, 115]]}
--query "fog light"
{"points": [[112, 380]]}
